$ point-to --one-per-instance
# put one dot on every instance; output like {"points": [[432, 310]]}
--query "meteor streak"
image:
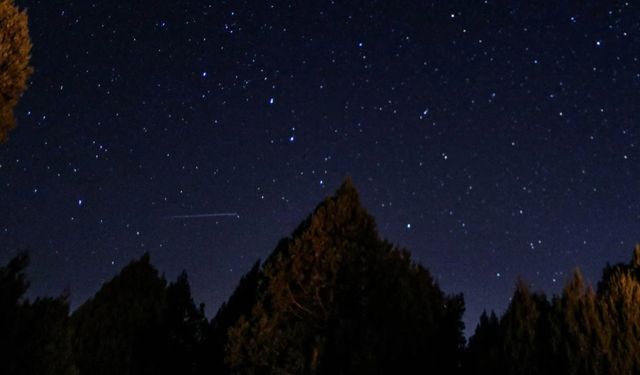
{"points": [[202, 216]]}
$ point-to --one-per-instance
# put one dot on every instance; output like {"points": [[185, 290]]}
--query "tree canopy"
{"points": [[137, 324], [582, 331], [15, 53], [333, 298]]}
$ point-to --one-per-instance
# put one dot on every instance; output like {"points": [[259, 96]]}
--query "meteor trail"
{"points": [[202, 216]]}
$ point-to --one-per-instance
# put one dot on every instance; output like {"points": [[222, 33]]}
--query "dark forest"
{"points": [[333, 298]]}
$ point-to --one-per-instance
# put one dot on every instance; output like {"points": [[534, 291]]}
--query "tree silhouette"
{"points": [[239, 304], [13, 286], [34, 337], [117, 331], [15, 53], [485, 353], [335, 298], [136, 324], [579, 332], [185, 327]]}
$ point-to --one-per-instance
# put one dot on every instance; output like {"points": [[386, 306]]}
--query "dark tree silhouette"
{"points": [[117, 331], [136, 324], [484, 353], [336, 299], [15, 53], [13, 286], [240, 303], [185, 328], [34, 337]]}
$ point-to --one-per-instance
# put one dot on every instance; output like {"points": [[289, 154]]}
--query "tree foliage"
{"points": [[335, 298], [15, 53], [114, 331], [185, 328], [136, 324], [579, 332]]}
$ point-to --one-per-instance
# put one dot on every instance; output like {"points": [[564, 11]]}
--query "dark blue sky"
{"points": [[493, 139]]}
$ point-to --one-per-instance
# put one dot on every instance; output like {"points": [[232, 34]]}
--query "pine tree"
{"points": [[580, 338], [136, 324], [43, 345], [580, 332], [526, 330], [15, 53], [485, 350], [619, 296], [184, 327], [118, 331], [336, 299], [237, 308]]}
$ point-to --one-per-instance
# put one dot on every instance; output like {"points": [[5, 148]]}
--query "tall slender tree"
{"points": [[485, 352], [236, 308], [184, 327]]}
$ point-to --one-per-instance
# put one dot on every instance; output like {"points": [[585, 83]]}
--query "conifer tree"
{"points": [[237, 307], [580, 332], [15, 53], [117, 331], [619, 296], [336, 299], [525, 327], [136, 324], [43, 344], [184, 326], [485, 351], [579, 338]]}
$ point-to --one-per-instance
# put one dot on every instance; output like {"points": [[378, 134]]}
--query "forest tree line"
{"points": [[333, 298]]}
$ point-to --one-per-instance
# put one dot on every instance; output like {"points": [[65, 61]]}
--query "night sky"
{"points": [[491, 139]]}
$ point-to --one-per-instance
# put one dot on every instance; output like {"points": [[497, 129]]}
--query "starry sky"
{"points": [[492, 139]]}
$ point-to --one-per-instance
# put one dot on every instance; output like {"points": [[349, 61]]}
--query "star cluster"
{"points": [[492, 141]]}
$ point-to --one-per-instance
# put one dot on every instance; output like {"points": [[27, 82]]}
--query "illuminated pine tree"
{"points": [[336, 299]]}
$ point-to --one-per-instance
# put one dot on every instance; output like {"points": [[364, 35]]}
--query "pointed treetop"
{"points": [[635, 258], [347, 188], [576, 283], [346, 196], [335, 284], [337, 216], [522, 288], [145, 258], [342, 215]]}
